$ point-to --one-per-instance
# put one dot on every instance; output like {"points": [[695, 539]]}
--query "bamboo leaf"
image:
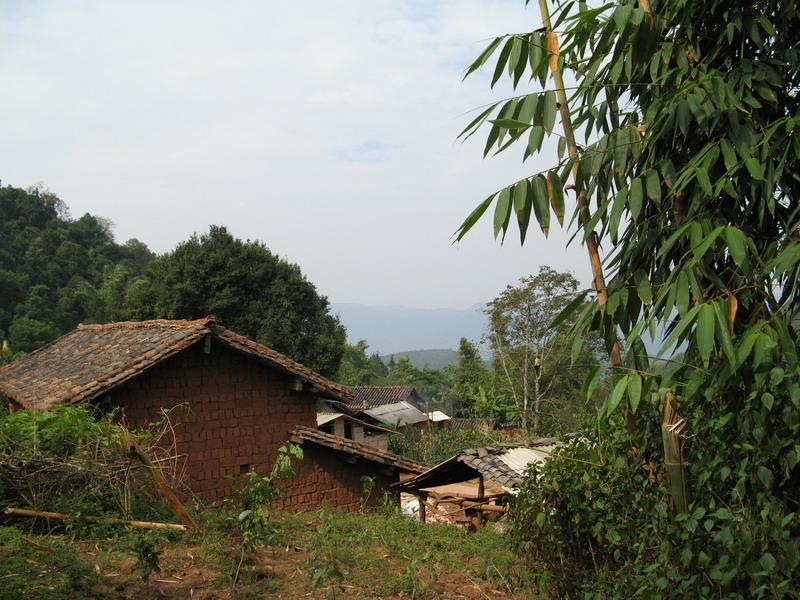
{"points": [[653, 186], [483, 57], [494, 134], [516, 53], [473, 218], [570, 308], [682, 293], [555, 191], [755, 168], [479, 119], [704, 181], [736, 240], [616, 395], [501, 60], [705, 332], [502, 212], [590, 384], [700, 249], [550, 109], [634, 390], [522, 206], [535, 139], [643, 287], [723, 332], [635, 201], [535, 52], [541, 203], [620, 200], [728, 155], [677, 333], [510, 124]]}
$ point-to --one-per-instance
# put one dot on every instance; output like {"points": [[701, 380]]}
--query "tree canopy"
{"points": [[532, 357], [55, 271], [248, 289]]}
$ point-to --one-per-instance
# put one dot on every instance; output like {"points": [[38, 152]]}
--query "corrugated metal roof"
{"points": [[398, 414], [437, 416], [323, 418], [518, 459]]}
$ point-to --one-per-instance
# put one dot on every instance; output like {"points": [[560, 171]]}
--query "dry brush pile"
{"points": [[71, 459]]}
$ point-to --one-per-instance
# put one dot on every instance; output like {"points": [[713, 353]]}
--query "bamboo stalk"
{"points": [[592, 245], [673, 435], [27, 512], [161, 483]]}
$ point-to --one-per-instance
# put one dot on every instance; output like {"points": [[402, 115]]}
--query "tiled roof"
{"points": [[92, 359], [340, 444], [370, 396], [504, 464]]}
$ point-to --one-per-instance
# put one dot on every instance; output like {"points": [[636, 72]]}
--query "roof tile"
{"points": [[93, 358]]}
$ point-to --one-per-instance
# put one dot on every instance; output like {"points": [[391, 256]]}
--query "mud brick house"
{"points": [[233, 403], [397, 406]]}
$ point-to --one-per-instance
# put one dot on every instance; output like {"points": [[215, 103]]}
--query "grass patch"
{"points": [[323, 553], [37, 567]]}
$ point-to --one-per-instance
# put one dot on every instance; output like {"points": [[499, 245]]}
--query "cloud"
{"points": [[326, 129]]}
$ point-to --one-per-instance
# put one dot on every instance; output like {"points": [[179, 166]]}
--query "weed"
{"points": [[147, 554], [255, 521]]}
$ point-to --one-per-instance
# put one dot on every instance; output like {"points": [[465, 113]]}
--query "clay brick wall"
{"points": [[232, 413], [324, 477]]}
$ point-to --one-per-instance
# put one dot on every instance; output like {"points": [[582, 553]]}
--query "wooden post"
{"points": [[422, 511], [481, 491]]}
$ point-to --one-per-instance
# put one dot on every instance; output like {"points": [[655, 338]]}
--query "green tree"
{"points": [[531, 357], [53, 267], [359, 368], [687, 171], [248, 289], [470, 379]]}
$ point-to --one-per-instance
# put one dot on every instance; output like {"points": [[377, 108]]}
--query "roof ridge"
{"points": [[343, 444], [177, 323], [281, 359], [400, 385]]}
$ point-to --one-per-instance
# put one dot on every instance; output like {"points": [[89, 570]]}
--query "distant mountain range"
{"points": [[432, 359], [399, 329]]}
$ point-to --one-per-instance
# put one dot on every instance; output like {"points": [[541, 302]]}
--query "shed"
{"points": [[233, 402], [330, 419], [367, 397], [478, 480]]}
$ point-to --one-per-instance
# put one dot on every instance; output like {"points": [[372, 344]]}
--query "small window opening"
{"points": [[244, 469], [348, 431]]}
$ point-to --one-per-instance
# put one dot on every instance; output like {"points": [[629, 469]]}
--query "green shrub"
{"points": [[432, 445], [71, 459], [597, 516]]}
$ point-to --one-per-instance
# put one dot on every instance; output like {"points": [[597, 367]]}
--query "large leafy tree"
{"points": [[358, 367], [531, 356], [53, 269], [249, 289], [681, 143]]}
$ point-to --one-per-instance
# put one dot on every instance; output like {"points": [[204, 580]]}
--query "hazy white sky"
{"points": [[325, 129]]}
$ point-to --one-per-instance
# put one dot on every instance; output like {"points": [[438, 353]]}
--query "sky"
{"points": [[325, 129]]}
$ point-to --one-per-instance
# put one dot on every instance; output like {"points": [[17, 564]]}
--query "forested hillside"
{"points": [[56, 272]]}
